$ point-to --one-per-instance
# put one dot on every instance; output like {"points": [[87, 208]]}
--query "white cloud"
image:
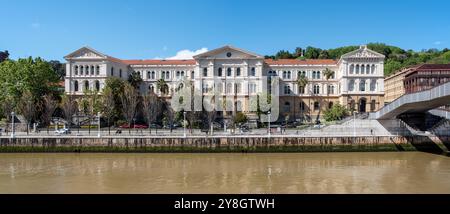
{"points": [[437, 43], [188, 54], [36, 25]]}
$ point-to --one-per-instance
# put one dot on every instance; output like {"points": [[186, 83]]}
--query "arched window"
{"points": [[316, 106], [372, 105], [153, 75], [205, 88], [229, 88], [239, 105], [220, 87], [351, 85], [205, 72], [362, 85], [76, 69], [97, 85], [330, 89], [151, 88], [75, 85], [192, 74], [219, 72], [97, 70], [289, 74], [112, 71], [367, 69], [120, 73], [352, 68], [284, 75], [314, 74], [372, 71], [253, 72], [373, 84], [148, 74], [252, 88], [287, 107], [238, 88], [287, 89], [316, 89], [167, 75], [318, 74], [302, 106], [301, 90], [81, 69], [357, 69], [178, 74], [86, 85], [238, 71], [86, 69], [92, 70], [182, 73], [229, 72], [362, 69]]}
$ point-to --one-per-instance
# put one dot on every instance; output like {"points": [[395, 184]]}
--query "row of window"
{"points": [[229, 72], [86, 85], [362, 69], [362, 85], [288, 74], [112, 72], [86, 70], [229, 87], [301, 90]]}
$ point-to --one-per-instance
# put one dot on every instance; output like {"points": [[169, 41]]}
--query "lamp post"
{"points": [[99, 128], [268, 114], [184, 123], [354, 124], [13, 134]]}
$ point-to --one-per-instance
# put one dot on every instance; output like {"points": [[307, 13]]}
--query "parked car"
{"points": [[63, 131], [155, 126]]}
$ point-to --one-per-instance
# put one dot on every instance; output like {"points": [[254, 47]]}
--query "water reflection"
{"points": [[410, 172]]}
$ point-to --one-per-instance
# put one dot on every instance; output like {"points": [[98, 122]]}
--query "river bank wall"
{"points": [[228, 144]]}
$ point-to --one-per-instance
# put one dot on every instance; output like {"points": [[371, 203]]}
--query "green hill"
{"points": [[396, 58]]}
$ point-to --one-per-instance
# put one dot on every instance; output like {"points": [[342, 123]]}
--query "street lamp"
{"points": [[13, 134], [184, 123], [268, 113], [99, 128]]}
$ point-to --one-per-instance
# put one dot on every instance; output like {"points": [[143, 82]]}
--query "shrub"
{"points": [[336, 112]]}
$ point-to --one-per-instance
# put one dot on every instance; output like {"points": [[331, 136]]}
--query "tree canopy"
{"points": [[396, 58]]}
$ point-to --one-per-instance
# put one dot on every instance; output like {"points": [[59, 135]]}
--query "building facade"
{"points": [[394, 84], [426, 76], [357, 81]]}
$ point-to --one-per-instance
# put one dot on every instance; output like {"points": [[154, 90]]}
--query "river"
{"points": [[380, 172]]}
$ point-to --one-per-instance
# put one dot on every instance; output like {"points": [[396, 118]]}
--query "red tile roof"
{"points": [[301, 62], [434, 66], [160, 62]]}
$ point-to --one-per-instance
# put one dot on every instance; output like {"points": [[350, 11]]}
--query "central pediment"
{"points": [[228, 52], [363, 52], [86, 53]]}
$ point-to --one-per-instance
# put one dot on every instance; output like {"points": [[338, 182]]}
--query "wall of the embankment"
{"points": [[228, 144]]}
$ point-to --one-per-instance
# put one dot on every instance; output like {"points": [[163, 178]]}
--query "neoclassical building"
{"points": [[357, 81]]}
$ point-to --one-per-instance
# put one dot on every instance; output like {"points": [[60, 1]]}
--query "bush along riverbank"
{"points": [[229, 144]]}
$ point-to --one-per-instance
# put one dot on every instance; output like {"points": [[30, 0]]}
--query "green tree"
{"points": [[240, 118], [59, 68], [115, 85], [283, 55], [162, 86], [3, 55], [135, 79], [312, 52], [336, 112]]}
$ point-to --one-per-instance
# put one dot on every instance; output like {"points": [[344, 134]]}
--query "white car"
{"points": [[62, 131]]}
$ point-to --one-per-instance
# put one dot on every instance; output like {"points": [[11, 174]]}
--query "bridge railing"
{"points": [[421, 96]]}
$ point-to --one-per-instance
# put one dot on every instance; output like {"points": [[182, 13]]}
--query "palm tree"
{"points": [[302, 81], [162, 86]]}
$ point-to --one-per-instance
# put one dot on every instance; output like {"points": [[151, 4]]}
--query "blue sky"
{"points": [[160, 29]]}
